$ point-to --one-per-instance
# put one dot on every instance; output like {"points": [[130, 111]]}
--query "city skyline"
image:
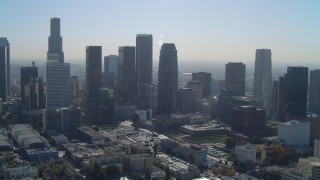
{"points": [[206, 31]]}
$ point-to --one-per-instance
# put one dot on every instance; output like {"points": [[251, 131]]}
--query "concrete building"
{"points": [[197, 87], [167, 79], [21, 172], [194, 154], [34, 94], [186, 101], [282, 99], [263, 79], [126, 75], [93, 79], [274, 100], [57, 137], [294, 133], [106, 107], [205, 79], [4, 69], [248, 120], [64, 120], [246, 153], [124, 112], [314, 91], [110, 71], [88, 135], [183, 119], [143, 60], [74, 87], [235, 78]]}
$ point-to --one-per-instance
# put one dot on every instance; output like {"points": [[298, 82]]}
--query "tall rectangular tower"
{"points": [[4, 69], [297, 91], [143, 60], [235, 78], [263, 79], [58, 72], [314, 91], [27, 74], [93, 78], [205, 79], [126, 74], [168, 79]]}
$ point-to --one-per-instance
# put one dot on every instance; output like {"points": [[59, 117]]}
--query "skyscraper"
{"points": [[4, 69], [297, 91], [274, 99], [282, 99], [263, 78], [55, 53], [126, 74], [205, 79], [235, 78], [167, 79], [27, 74], [58, 72], [186, 100], [93, 79], [143, 60], [58, 85], [314, 91], [110, 70]]}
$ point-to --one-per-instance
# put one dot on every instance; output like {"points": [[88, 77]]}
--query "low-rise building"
{"points": [[21, 172], [57, 137], [294, 133], [192, 153], [183, 119], [88, 135], [246, 153]]}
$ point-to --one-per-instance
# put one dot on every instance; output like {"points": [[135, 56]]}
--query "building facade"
{"points": [[205, 79], [167, 79], [235, 78], [186, 100], [4, 69], [314, 91], [294, 133], [263, 79]]}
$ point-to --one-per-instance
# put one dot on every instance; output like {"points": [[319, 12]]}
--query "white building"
{"points": [[294, 133], [263, 79], [310, 165], [246, 153]]}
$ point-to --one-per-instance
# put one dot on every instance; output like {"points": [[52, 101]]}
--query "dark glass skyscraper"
{"points": [[143, 60], [297, 91], [126, 74], [205, 79], [167, 79], [314, 91], [55, 53], [4, 69], [27, 74], [235, 78], [93, 79]]}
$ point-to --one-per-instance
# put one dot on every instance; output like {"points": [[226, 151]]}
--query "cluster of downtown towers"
{"points": [[130, 76]]}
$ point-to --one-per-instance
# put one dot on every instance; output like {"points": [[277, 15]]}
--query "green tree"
{"points": [[230, 143], [168, 174]]}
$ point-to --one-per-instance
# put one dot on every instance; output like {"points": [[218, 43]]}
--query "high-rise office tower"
{"points": [[110, 70], [74, 87], [167, 79], [297, 91], [58, 85], [186, 100], [126, 74], [197, 87], [235, 78], [26, 75], [4, 69], [143, 60], [248, 120], [205, 79], [106, 104], [314, 91], [263, 79], [93, 79], [34, 94], [282, 99], [58, 72], [55, 53], [274, 99]]}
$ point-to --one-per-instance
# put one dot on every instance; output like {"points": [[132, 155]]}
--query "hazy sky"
{"points": [[207, 30]]}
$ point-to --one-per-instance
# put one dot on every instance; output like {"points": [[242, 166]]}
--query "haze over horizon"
{"points": [[209, 31]]}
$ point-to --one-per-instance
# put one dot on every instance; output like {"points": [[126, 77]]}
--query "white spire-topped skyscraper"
{"points": [[55, 53]]}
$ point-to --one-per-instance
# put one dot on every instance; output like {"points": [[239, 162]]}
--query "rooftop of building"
{"points": [[89, 131], [30, 133], [294, 122], [4, 142], [17, 127], [20, 168], [56, 135], [39, 151], [33, 140]]}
